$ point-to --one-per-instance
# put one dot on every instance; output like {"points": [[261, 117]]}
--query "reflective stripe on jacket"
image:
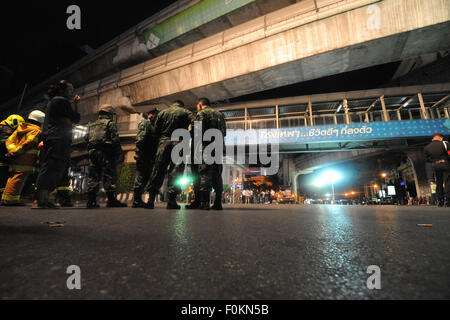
{"points": [[23, 145]]}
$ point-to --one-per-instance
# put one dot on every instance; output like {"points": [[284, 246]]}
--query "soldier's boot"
{"points": [[137, 200], [446, 202], [151, 201], [92, 201], [205, 201], [43, 203], [196, 204], [218, 203], [113, 202], [172, 204], [64, 199]]}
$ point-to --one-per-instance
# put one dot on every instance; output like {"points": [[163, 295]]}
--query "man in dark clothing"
{"points": [[146, 145], [7, 128], [61, 114], [105, 152], [210, 174], [167, 121], [437, 152]]}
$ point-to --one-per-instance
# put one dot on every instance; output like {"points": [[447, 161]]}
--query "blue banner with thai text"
{"points": [[342, 132]]}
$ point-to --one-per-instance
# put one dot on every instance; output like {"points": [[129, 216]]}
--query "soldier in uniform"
{"points": [[194, 170], [7, 128], [210, 175], [167, 121], [105, 152], [146, 145]]}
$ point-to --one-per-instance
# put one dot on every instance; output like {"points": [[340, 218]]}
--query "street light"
{"points": [[329, 177], [184, 181]]}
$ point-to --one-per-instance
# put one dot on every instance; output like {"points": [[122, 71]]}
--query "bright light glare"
{"points": [[331, 176], [319, 183], [184, 181], [328, 177]]}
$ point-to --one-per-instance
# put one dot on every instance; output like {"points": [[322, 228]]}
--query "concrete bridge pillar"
{"points": [[226, 175]]}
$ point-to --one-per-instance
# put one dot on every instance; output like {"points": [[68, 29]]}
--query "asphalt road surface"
{"points": [[281, 252]]}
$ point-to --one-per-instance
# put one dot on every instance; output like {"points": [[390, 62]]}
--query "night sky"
{"points": [[36, 43]]}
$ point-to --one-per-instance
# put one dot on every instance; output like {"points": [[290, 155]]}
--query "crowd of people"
{"points": [[248, 196], [43, 142]]}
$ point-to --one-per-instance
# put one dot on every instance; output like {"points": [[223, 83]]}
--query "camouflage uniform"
{"points": [[211, 175], [166, 123], [146, 145], [104, 151], [194, 169]]}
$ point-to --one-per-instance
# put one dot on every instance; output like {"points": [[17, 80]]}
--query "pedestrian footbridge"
{"points": [[377, 119], [359, 120]]}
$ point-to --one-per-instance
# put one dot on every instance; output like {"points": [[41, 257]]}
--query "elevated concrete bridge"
{"points": [[297, 43]]}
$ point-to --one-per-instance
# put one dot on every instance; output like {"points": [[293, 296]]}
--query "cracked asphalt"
{"points": [[273, 252]]}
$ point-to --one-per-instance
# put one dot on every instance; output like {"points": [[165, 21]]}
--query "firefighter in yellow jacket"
{"points": [[7, 128], [23, 152]]}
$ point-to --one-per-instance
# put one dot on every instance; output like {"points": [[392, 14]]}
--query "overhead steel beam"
{"points": [[339, 96], [406, 103], [440, 101], [383, 106], [425, 114]]}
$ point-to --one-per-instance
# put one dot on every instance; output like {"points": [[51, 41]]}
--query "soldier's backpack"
{"points": [[98, 133]]}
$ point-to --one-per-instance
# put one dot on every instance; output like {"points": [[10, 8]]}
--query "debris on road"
{"points": [[55, 224]]}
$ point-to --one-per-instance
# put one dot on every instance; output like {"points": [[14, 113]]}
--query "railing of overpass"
{"points": [[394, 104], [347, 111]]}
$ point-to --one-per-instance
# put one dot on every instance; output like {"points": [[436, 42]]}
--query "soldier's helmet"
{"points": [[14, 121], [38, 116], [107, 108]]}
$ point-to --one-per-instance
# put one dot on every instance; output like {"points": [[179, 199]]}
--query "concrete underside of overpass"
{"points": [[309, 163], [323, 46], [380, 51]]}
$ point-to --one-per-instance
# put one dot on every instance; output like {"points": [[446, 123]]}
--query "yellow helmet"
{"points": [[14, 121]]}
